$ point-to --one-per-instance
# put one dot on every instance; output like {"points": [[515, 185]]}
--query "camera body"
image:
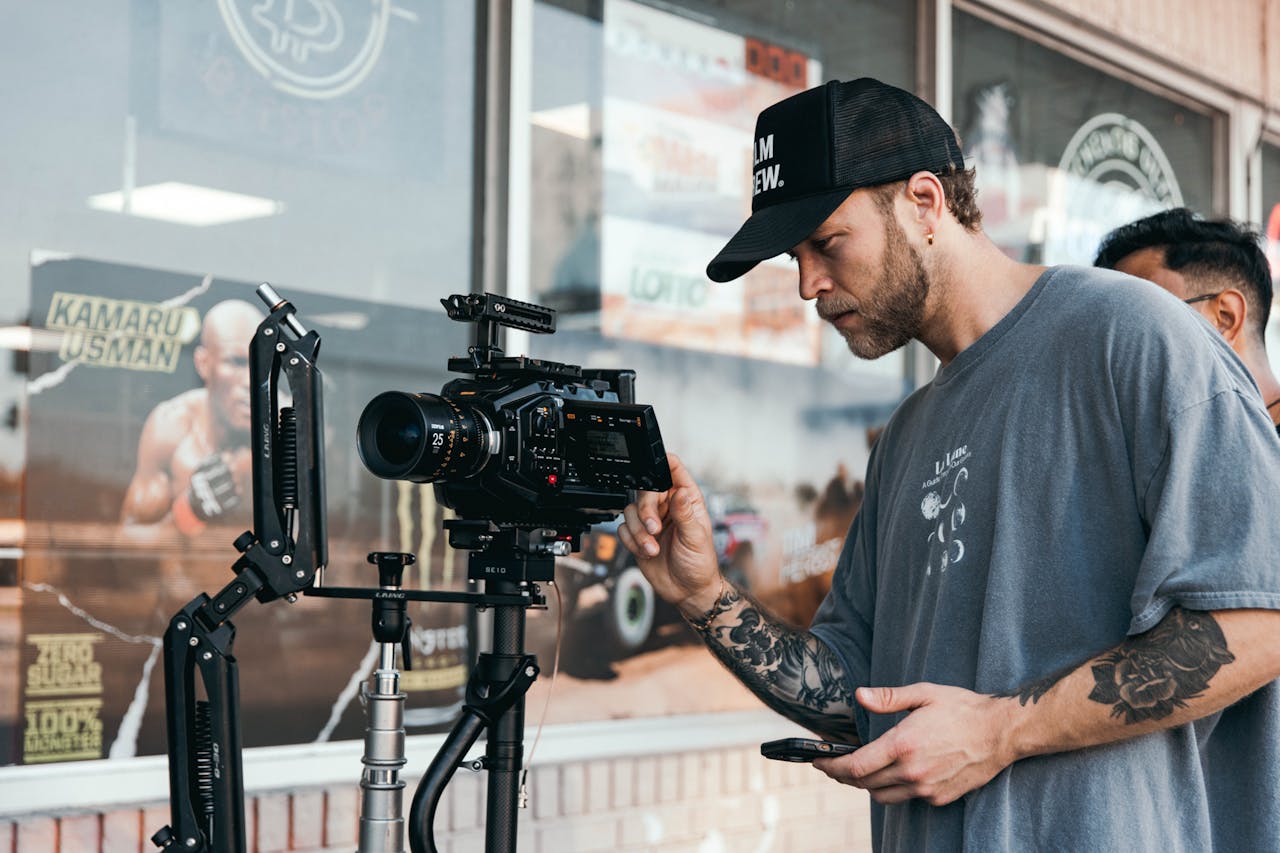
{"points": [[519, 443]]}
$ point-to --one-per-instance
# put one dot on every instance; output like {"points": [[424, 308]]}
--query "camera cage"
{"points": [[528, 453]]}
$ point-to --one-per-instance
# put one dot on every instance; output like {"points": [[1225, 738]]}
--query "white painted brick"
{"points": [[598, 787], [36, 835], [659, 826], [668, 778], [712, 773], [273, 823], [691, 775], [799, 803], [251, 824], [306, 816], [122, 832], [342, 815], [578, 836], [622, 772], [734, 771], [472, 841], [646, 781], [573, 789], [155, 816], [544, 791], [79, 833], [466, 794]]}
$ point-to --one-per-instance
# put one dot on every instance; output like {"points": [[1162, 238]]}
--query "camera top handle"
{"points": [[490, 312]]}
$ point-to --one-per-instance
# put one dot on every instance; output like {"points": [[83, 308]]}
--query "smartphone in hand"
{"points": [[803, 749]]}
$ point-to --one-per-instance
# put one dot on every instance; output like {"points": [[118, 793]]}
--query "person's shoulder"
{"points": [[1120, 295], [1121, 309], [177, 413]]}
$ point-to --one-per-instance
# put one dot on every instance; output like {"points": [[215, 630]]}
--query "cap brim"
{"points": [[772, 231]]}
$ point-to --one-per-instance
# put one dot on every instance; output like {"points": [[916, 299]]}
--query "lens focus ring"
{"points": [[422, 437]]}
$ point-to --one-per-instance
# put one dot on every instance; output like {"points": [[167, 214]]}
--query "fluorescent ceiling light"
{"points": [[353, 321], [571, 120], [186, 204], [27, 339]]}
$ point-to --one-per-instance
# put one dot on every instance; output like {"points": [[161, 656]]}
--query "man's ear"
{"points": [[928, 200], [1230, 312], [201, 358]]}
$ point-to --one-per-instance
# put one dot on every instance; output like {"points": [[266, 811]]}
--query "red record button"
{"points": [[552, 479]]}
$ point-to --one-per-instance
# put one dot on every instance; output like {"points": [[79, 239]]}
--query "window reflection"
{"points": [[1064, 152]]}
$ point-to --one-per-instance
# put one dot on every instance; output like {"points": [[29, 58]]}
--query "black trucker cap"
{"points": [[813, 149]]}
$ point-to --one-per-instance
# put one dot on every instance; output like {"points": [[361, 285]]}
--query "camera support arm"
{"points": [[279, 558]]}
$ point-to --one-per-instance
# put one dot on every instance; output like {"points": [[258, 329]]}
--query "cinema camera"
{"points": [[538, 449]]}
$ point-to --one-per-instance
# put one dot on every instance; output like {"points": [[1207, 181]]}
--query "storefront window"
{"points": [[641, 122], [165, 158], [1271, 235], [1064, 152]]}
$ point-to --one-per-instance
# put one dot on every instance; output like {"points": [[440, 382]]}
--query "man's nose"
{"points": [[814, 280]]}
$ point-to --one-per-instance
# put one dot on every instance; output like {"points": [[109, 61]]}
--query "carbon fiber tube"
{"points": [[422, 814]]}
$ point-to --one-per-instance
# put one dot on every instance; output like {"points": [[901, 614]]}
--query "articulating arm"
{"points": [[279, 558]]}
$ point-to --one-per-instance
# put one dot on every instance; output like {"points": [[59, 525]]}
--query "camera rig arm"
{"points": [[278, 558]]}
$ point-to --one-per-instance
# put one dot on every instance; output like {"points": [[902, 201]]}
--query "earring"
{"points": [[929, 238]]}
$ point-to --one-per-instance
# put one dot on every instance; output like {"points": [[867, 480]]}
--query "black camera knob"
{"points": [[391, 566]]}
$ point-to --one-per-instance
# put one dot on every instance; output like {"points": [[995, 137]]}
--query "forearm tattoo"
{"points": [[1150, 676], [791, 671], [1034, 691]]}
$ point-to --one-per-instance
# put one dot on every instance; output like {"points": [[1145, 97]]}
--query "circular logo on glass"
{"points": [[309, 48], [1112, 171]]}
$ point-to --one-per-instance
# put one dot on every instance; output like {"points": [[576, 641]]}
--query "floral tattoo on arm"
{"points": [[1150, 676], [791, 671]]}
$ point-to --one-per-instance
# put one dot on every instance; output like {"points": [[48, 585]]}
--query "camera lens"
{"points": [[422, 437], [398, 437]]}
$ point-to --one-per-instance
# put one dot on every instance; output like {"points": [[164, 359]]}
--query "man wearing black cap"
{"points": [[1050, 592]]}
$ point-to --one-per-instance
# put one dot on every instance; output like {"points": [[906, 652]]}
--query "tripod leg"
{"points": [[504, 753]]}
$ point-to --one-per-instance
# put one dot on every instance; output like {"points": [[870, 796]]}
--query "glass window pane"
{"points": [[1064, 152], [1271, 235], [642, 118], [164, 159]]}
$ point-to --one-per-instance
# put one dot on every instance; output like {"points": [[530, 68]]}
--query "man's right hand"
{"points": [[670, 535]]}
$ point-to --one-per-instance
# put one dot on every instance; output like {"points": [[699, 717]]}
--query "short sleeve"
{"points": [[1212, 508]]}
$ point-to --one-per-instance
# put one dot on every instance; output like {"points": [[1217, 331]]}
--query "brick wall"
{"points": [[1233, 42], [719, 800]]}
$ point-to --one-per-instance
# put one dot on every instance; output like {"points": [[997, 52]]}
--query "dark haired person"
{"points": [[1051, 592], [1216, 266]]}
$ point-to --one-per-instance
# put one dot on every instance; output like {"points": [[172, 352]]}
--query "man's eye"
{"points": [[821, 243]]}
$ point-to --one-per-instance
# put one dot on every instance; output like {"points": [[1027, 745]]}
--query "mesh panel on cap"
{"points": [[884, 134]]}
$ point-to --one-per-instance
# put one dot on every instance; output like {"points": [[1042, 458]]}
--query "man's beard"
{"points": [[894, 312]]}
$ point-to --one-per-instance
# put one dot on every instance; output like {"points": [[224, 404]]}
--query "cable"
{"points": [[542, 718]]}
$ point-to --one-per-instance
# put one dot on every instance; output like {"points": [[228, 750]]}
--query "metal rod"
{"points": [[382, 789]]}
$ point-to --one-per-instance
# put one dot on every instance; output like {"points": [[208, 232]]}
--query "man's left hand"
{"points": [[952, 741]]}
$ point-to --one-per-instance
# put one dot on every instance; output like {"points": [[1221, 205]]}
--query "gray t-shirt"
{"points": [[1095, 459]]}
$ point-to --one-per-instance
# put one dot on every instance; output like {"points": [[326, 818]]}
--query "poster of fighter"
{"points": [[123, 529]]}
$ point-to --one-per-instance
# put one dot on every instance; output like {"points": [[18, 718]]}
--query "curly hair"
{"points": [[957, 188]]}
